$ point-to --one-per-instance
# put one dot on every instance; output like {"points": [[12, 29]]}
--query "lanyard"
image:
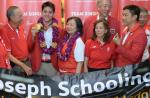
{"points": [[17, 31]]}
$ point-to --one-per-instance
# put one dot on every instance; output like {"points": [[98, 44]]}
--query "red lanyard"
{"points": [[17, 31]]}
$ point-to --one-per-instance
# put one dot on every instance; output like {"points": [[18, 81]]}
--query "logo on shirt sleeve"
{"points": [[93, 46], [108, 49]]}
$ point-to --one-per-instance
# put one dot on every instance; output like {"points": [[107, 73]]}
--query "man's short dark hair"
{"points": [[134, 10], [48, 4], [10, 11], [142, 9]]}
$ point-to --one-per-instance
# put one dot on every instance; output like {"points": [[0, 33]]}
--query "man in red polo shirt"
{"points": [[144, 23], [14, 38], [133, 40], [145, 62], [104, 7]]}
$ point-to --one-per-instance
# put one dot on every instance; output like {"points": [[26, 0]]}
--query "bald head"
{"points": [[101, 2], [10, 11], [15, 15], [104, 7]]}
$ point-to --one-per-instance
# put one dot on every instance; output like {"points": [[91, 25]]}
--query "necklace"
{"points": [[70, 42], [54, 34]]}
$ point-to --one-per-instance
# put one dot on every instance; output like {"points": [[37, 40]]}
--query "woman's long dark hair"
{"points": [[106, 26], [78, 24]]}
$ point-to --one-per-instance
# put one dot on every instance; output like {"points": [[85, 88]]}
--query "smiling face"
{"points": [[71, 27], [17, 17], [104, 7], [100, 30], [47, 13]]}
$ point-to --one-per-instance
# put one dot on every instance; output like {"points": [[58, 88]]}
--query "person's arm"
{"points": [[138, 46], [79, 54], [26, 68], [112, 63], [87, 54], [79, 67], [86, 64], [113, 55], [31, 37], [7, 42]]}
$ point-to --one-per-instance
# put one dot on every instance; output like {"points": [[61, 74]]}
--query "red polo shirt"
{"points": [[89, 25], [70, 65], [16, 42], [99, 56], [132, 50], [4, 61]]}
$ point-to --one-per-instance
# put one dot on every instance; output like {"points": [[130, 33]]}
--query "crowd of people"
{"points": [[96, 45]]}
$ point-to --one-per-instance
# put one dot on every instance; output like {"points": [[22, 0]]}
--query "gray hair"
{"points": [[99, 1], [10, 11]]}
